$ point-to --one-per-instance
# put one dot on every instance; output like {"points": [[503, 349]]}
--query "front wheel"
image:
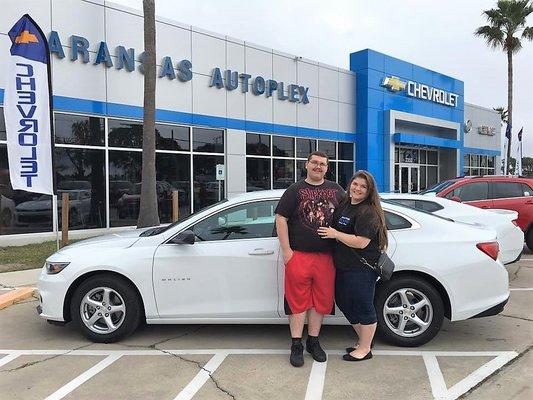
{"points": [[105, 308], [410, 311]]}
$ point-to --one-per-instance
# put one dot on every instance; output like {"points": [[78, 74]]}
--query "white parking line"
{"points": [[84, 377], [518, 289], [316, 381], [315, 386], [8, 358], [201, 377], [438, 385]]}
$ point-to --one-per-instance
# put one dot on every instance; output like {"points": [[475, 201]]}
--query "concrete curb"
{"points": [[16, 295]]}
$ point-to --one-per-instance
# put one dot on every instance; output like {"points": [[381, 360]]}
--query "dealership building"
{"points": [[231, 117]]}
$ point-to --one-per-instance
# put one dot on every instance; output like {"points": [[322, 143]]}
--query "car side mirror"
{"points": [[456, 198], [185, 237]]}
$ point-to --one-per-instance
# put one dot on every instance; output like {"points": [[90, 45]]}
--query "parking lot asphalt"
{"points": [[486, 358]]}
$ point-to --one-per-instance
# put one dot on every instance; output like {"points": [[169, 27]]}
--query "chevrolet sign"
{"points": [[421, 91]]}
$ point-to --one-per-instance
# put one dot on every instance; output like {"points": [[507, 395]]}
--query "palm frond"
{"points": [[528, 33], [493, 36]]}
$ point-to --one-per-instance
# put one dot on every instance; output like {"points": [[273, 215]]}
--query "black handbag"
{"points": [[384, 267]]}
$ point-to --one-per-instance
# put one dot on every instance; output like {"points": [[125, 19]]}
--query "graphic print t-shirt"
{"points": [[359, 220], [308, 207]]}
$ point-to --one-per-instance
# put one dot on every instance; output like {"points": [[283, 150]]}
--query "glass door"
{"points": [[409, 179]]}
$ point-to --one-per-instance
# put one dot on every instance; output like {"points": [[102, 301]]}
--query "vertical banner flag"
{"points": [[519, 155], [27, 103]]}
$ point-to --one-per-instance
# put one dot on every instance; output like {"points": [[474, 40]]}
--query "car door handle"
{"points": [[260, 252], [529, 202]]}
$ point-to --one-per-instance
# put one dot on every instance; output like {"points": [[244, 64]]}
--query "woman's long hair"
{"points": [[374, 202]]}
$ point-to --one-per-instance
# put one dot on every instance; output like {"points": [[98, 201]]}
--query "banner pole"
{"points": [[55, 220]]}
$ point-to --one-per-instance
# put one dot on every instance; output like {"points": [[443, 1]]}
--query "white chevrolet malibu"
{"points": [[222, 265]]}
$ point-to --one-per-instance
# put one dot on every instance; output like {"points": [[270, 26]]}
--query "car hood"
{"points": [[34, 205], [117, 240]]}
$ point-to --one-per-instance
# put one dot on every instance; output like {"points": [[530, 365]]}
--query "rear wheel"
{"points": [[410, 311], [529, 239], [105, 308]]}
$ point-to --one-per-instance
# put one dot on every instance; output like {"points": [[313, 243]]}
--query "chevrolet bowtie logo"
{"points": [[26, 37], [393, 83]]}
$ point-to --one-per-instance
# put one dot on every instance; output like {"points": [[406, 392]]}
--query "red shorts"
{"points": [[309, 283]]}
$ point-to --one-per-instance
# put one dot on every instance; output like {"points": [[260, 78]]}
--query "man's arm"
{"points": [[282, 228]]}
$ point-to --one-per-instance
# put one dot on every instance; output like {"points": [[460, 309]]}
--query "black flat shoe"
{"points": [[348, 357], [350, 349]]}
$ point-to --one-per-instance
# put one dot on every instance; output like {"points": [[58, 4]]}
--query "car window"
{"points": [[429, 206], [472, 191], [405, 202], [247, 221], [394, 221], [503, 190], [526, 189]]}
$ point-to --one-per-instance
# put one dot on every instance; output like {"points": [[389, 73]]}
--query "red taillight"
{"points": [[515, 222], [489, 248]]}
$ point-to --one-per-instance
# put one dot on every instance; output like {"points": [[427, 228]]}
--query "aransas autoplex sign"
{"points": [[181, 71], [421, 91]]}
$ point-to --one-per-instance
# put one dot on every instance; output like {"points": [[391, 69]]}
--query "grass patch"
{"points": [[29, 256]]}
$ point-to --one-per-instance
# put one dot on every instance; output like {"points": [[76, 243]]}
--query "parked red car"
{"points": [[490, 191]]}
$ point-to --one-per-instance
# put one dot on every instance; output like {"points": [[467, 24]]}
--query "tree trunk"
{"points": [[509, 104], [148, 211]]}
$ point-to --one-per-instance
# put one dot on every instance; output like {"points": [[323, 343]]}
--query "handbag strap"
{"points": [[364, 262]]}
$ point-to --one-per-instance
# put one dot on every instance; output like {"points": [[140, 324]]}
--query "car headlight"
{"points": [[53, 268]]}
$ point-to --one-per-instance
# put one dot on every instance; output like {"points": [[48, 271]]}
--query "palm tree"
{"points": [[148, 212], [507, 26], [503, 113]]}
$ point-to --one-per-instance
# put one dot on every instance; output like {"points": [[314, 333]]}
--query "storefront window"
{"points": [[79, 130], [80, 173], [173, 174], [283, 173], [257, 174], [257, 144], [172, 137], [124, 187], [346, 151], [208, 140], [304, 147], [125, 134], [327, 147], [207, 190], [345, 173], [283, 146]]}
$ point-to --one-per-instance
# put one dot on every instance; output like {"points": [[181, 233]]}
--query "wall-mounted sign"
{"points": [[486, 130], [468, 126], [421, 91], [182, 70]]}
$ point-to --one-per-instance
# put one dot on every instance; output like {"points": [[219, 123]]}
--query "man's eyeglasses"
{"points": [[317, 164]]}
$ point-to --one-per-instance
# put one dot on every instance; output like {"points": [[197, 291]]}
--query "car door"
{"points": [[513, 196], [229, 272], [473, 193]]}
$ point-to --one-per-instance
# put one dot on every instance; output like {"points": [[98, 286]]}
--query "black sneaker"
{"points": [[315, 350], [297, 355]]}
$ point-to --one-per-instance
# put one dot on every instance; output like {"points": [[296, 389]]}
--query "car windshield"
{"points": [[439, 187], [161, 229]]}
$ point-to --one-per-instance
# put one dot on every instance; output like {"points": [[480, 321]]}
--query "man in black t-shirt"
{"points": [[309, 271]]}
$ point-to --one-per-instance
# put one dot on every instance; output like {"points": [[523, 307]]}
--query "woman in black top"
{"points": [[361, 234]]}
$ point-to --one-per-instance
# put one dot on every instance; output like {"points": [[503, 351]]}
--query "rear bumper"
{"points": [[494, 310]]}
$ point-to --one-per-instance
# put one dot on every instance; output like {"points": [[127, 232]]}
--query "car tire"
{"points": [[529, 239], [123, 318], [392, 310]]}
